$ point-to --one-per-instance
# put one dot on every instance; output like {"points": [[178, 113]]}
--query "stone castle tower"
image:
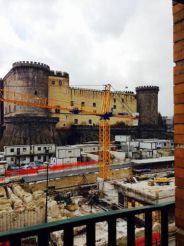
{"points": [[27, 125], [147, 105]]}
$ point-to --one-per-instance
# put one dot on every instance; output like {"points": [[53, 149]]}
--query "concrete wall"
{"points": [[123, 138], [178, 13], [67, 152], [70, 181], [88, 147]]}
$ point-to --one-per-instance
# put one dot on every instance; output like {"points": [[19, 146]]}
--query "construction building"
{"points": [[24, 154]]}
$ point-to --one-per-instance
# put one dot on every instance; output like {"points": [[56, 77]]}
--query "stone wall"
{"points": [[26, 81], [29, 130], [88, 100], [147, 104], [82, 134]]}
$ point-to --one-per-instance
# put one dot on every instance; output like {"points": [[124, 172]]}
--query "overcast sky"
{"points": [[124, 42]]}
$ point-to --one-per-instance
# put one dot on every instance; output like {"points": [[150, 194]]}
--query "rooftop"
{"points": [[154, 160]]}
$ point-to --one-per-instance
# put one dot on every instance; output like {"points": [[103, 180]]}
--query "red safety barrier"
{"points": [[2, 179], [155, 239], [57, 167], [6, 243]]}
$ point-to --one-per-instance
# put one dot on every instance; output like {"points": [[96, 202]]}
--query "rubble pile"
{"points": [[5, 203]]}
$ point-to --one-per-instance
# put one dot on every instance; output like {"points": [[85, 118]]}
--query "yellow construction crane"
{"points": [[104, 124], [104, 135]]}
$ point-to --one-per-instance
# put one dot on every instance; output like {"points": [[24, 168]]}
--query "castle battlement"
{"points": [[101, 91], [147, 88], [31, 64], [59, 74]]}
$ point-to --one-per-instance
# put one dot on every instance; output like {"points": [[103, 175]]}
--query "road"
{"points": [[55, 175]]}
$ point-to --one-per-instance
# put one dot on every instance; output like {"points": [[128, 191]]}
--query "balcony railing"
{"points": [[43, 231]]}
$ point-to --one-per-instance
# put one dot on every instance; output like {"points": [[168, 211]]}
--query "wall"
{"points": [[67, 152], [70, 181], [147, 104], [61, 94], [178, 13], [1, 104], [25, 80]]}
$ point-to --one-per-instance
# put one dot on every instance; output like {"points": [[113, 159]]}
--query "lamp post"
{"points": [[46, 202], [47, 184]]}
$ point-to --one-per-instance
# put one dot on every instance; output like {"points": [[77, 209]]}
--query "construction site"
{"points": [[42, 181], [24, 204]]}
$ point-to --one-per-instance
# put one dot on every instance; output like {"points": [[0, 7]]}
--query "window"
{"points": [[57, 110], [114, 100], [12, 150], [90, 121], [69, 151], [72, 103], [60, 82], [122, 100], [24, 149], [94, 105], [82, 104], [12, 159], [53, 82], [39, 148], [75, 121], [114, 107], [39, 157]]}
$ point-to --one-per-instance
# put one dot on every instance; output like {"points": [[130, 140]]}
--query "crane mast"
{"points": [[104, 135]]}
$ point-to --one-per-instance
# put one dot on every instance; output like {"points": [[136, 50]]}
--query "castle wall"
{"points": [[87, 100], [1, 104]]}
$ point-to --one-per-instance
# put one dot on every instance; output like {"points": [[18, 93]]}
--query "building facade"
{"points": [[60, 93], [24, 154]]}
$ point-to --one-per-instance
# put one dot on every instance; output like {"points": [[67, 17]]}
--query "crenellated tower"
{"points": [[147, 105], [24, 124]]}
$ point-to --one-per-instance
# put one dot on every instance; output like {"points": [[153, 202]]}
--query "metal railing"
{"points": [[43, 231]]}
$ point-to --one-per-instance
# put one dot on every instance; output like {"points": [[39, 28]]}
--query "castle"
{"points": [[37, 125]]}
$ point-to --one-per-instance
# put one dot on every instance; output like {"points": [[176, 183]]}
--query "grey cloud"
{"points": [[127, 43]]}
